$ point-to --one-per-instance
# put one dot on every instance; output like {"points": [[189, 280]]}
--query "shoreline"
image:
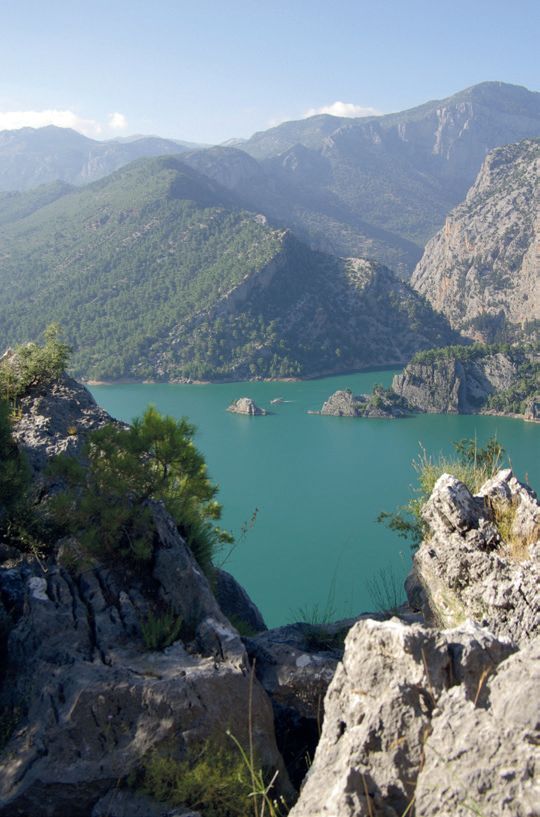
{"points": [[126, 381]]}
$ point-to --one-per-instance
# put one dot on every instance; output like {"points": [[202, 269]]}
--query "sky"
{"points": [[211, 70]]}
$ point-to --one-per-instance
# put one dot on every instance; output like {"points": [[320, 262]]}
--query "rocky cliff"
{"points": [[434, 721], [471, 380], [85, 699], [482, 269], [429, 715]]}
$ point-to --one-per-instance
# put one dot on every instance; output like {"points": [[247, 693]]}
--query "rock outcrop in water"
{"points": [[245, 405], [381, 403], [472, 380]]}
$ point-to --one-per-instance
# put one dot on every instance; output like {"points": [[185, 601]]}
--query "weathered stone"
{"points": [[468, 570], [485, 760], [90, 699], [295, 665], [450, 385], [236, 604], [56, 419], [378, 713], [96, 701], [245, 405]]}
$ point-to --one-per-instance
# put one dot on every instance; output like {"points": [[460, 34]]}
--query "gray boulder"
{"points": [[482, 557], [56, 419], [379, 711], [485, 759]]}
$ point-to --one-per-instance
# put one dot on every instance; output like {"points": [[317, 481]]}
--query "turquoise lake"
{"points": [[318, 483]]}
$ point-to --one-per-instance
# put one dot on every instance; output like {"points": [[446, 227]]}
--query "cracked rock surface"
{"points": [[481, 559], [379, 711], [91, 699]]}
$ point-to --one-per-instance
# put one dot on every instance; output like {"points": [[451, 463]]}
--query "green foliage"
{"points": [[523, 357], [161, 630], [14, 471], [33, 365], [22, 523], [107, 497], [463, 354], [139, 266], [471, 465], [212, 780]]}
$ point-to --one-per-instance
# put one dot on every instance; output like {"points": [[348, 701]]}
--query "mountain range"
{"points": [[214, 263], [30, 157], [376, 187]]}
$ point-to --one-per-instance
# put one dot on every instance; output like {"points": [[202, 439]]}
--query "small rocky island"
{"points": [[245, 405], [381, 403]]}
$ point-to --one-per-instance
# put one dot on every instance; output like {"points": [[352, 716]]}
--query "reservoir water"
{"points": [[318, 483]]}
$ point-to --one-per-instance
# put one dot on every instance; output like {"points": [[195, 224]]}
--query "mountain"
{"points": [[157, 272], [34, 156], [482, 269], [377, 186]]}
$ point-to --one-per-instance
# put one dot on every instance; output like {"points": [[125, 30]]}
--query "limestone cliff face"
{"points": [[482, 270]]}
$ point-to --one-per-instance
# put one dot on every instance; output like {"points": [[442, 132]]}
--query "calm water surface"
{"points": [[318, 483]]}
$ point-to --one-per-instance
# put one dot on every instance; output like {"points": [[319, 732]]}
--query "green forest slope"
{"points": [[154, 272]]}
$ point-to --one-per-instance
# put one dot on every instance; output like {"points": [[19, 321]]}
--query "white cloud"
{"points": [[12, 120], [117, 121], [343, 109]]}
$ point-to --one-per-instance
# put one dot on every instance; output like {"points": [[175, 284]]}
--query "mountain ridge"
{"points": [[160, 274]]}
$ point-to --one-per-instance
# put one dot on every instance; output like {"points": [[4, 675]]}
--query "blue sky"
{"points": [[208, 70]]}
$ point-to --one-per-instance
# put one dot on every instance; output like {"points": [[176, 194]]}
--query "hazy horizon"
{"points": [[214, 73]]}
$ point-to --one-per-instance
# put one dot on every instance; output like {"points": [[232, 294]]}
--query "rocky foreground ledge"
{"points": [[84, 699], [426, 720], [435, 714]]}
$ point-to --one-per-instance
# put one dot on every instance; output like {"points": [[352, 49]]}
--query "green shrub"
{"points": [[14, 471], [160, 631], [32, 365], [471, 465], [212, 780], [107, 496]]}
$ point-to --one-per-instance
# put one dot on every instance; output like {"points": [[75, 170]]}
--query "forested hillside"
{"points": [[155, 272]]}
